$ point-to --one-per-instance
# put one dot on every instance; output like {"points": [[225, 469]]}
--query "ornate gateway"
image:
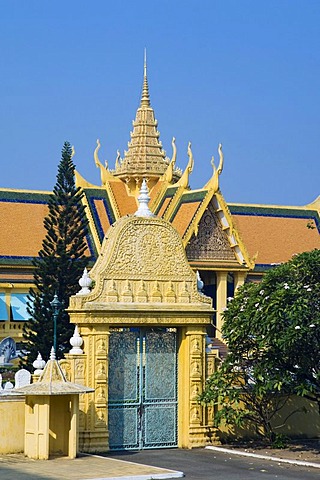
{"points": [[142, 388]]}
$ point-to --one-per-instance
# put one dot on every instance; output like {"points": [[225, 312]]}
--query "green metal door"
{"points": [[142, 388]]}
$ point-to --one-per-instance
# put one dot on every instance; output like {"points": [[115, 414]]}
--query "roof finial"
{"points": [[143, 199], [145, 63], [145, 99], [52, 354]]}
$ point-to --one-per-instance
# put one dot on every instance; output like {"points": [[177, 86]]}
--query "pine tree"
{"points": [[59, 265]]}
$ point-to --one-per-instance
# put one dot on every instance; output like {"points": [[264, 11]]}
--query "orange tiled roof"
{"points": [[155, 190], [126, 203], [184, 216], [102, 214], [22, 229], [276, 236], [164, 205]]}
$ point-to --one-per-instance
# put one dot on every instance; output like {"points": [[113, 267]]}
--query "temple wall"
{"points": [[12, 414], [305, 423]]}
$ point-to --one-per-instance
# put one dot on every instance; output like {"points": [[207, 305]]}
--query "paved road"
{"points": [[201, 464]]}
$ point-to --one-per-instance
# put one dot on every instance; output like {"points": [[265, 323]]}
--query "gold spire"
{"points": [[145, 157], [145, 98]]}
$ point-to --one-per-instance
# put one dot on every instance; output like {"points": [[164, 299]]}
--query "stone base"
{"points": [[203, 436], [94, 442]]}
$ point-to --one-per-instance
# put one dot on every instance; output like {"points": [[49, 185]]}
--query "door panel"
{"points": [[142, 388]]}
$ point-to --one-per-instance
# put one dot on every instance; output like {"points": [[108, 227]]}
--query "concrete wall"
{"points": [[11, 424], [304, 423]]}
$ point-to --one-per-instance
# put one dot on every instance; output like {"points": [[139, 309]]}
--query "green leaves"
{"points": [[60, 263], [273, 333]]}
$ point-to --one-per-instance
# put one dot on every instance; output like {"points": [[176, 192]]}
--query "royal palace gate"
{"points": [[142, 388], [145, 302]]}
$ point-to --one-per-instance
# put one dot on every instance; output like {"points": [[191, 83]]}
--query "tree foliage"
{"points": [[272, 330], [59, 265]]}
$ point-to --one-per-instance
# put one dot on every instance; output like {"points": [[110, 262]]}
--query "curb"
{"points": [[153, 476], [263, 457]]}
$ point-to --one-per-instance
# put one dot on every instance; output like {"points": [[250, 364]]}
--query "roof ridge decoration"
{"points": [[80, 181], [106, 177], [184, 180], [181, 186], [223, 215], [172, 174], [212, 187], [168, 175], [315, 205], [105, 173], [233, 233], [213, 183]]}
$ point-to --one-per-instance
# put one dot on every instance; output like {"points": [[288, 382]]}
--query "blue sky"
{"points": [[241, 72]]}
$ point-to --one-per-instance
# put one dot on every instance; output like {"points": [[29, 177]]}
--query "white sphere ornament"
{"points": [[39, 365], [76, 341], [200, 283], [85, 283]]}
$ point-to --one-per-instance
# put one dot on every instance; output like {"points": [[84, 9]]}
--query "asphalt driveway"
{"points": [[202, 464]]}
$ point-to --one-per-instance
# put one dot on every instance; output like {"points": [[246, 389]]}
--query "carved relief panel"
{"points": [[211, 242]]}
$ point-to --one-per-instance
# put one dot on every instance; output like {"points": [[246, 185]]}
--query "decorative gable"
{"points": [[142, 260], [211, 242]]}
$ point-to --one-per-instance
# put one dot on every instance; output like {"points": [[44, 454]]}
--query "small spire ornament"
{"points": [[52, 354], [143, 199], [39, 364], [76, 341], [85, 283]]}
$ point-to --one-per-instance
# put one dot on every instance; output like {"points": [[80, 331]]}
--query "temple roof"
{"points": [[214, 234], [145, 157], [271, 233]]}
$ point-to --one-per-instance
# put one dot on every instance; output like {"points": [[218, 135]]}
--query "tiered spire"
{"points": [[145, 98], [145, 157]]}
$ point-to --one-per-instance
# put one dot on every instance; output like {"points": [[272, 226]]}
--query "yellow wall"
{"points": [[305, 423], [11, 424]]}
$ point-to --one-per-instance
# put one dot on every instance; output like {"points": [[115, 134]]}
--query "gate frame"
{"points": [[194, 428]]}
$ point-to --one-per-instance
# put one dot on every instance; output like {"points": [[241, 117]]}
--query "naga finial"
{"points": [[169, 172], [191, 160], [213, 183], [184, 180], [174, 152], [118, 160], [96, 158], [103, 169], [220, 168]]}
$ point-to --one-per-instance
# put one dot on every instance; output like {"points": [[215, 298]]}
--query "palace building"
{"points": [[226, 243], [145, 322]]}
